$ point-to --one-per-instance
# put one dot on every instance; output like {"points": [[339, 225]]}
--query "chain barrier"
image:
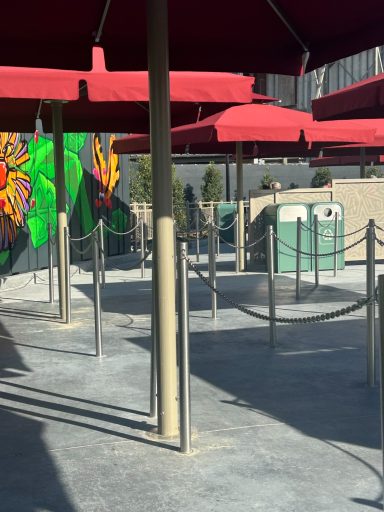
{"points": [[243, 246], [131, 267], [359, 304], [52, 240], [322, 255], [86, 236], [122, 233], [378, 227], [79, 251], [380, 242], [330, 235], [218, 228]]}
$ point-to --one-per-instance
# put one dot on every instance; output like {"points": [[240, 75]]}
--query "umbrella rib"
{"points": [[102, 21], [287, 24]]}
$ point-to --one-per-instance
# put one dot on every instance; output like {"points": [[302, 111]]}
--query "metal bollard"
{"points": [[381, 316], [212, 266], [217, 237], [336, 245], [316, 228], [153, 377], [271, 285], [371, 239], [142, 248], [184, 372], [237, 244], [96, 295], [102, 254], [67, 276], [298, 259], [198, 234], [50, 265]]}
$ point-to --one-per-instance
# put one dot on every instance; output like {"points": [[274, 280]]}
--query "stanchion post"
{"points": [[184, 373], [96, 294], [217, 233], [212, 266], [153, 378], [67, 260], [198, 233], [237, 244], [371, 239], [298, 259], [381, 316], [271, 285], [142, 247], [317, 260], [50, 265], [102, 253], [336, 244]]}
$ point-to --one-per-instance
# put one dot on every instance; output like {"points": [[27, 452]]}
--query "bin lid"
{"points": [[288, 212]]}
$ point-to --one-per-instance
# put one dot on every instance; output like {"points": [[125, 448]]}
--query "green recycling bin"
{"points": [[225, 215], [328, 213], [283, 219]]}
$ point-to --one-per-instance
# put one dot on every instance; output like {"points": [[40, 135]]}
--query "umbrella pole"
{"points": [[362, 163], [164, 258], [58, 145], [240, 204]]}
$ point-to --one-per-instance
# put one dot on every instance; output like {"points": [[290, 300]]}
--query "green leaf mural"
{"points": [[44, 212], [74, 141]]}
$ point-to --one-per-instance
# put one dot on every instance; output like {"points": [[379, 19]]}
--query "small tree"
{"points": [[374, 172], [267, 179], [212, 187], [321, 178]]}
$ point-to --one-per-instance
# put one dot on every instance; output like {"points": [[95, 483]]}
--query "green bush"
{"points": [[321, 177], [212, 187]]}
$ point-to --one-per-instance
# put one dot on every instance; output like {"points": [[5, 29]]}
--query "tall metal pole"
{"points": [[96, 294], [153, 379], [212, 267], [61, 203], [240, 204], [298, 259], [184, 373], [102, 252], [198, 233], [271, 285], [336, 244], [158, 71], [67, 276], [362, 163], [381, 316], [142, 247], [50, 265], [227, 180], [317, 259], [237, 243], [371, 378]]}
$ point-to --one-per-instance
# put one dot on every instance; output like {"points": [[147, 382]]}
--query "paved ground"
{"points": [[288, 429]]}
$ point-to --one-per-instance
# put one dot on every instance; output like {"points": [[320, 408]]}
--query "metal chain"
{"points": [[334, 236], [123, 233], [380, 242], [322, 255], [224, 229], [52, 240], [283, 320], [137, 264], [243, 246], [378, 227], [86, 236], [81, 252]]}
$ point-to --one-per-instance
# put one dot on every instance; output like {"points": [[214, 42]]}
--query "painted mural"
{"points": [[107, 174]]}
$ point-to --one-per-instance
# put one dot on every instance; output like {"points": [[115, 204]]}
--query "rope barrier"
{"points": [[224, 229], [359, 304], [243, 246], [330, 235], [79, 251], [322, 255], [121, 233], [86, 236]]}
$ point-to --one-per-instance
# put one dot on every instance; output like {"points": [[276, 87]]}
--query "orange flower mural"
{"points": [[15, 187], [107, 177]]}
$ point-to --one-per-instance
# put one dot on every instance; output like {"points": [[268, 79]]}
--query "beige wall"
{"points": [[362, 200]]}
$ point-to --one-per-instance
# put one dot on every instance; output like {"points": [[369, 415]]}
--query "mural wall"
{"points": [[96, 188]]}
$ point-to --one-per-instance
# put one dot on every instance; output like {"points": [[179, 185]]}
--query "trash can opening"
{"points": [[327, 212]]}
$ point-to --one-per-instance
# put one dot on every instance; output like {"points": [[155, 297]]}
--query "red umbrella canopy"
{"points": [[375, 147], [364, 99], [251, 35], [263, 129], [100, 100], [337, 161]]}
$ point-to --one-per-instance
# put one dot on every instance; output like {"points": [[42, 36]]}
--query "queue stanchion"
{"points": [[50, 265], [142, 247], [317, 259], [237, 244], [153, 377], [102, 253], [271, 285], [336, 244], [67, 259], [184, 372], [381, 317], [198, 233], [96, 294], [371, 281], [298, 259], [212, 266]]}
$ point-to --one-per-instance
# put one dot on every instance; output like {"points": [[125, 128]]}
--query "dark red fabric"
{"points": [[336, 161], [265, 130], [364, 99], [203, 35]]}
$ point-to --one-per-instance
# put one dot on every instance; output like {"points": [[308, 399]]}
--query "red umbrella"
{"points": [[364, 99], [337, 161]]}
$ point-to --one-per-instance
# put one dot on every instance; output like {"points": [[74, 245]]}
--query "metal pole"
{"points": [[362, 163], [50, 265], [240, 204], [298, 259], [317, 260], [158, 72], [212, 267], [198, 233], [236, 237], [67, 275], [142, 247], [336, 244], [217, 236], [371, 236], [184, 373], [227, 180], [381, 316], [96, 295], [271, 285], [102, 253], [153, 379], [61, 202]]}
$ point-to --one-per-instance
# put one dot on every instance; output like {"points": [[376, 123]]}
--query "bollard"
{"points": [[236, 237], [142, 248], [198, 234], [102, 254], [381, 317], [96, 294], [271, 285], [184, 373], [298, 259], [67, 261], [212, 266], [153, 377], [336, 245], [50, 265], [371, 240], [316, 228], [217, 236]]}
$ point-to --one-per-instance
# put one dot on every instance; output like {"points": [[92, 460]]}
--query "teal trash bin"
{"points": [[283, 219], [225, 215], [327, 212]]}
